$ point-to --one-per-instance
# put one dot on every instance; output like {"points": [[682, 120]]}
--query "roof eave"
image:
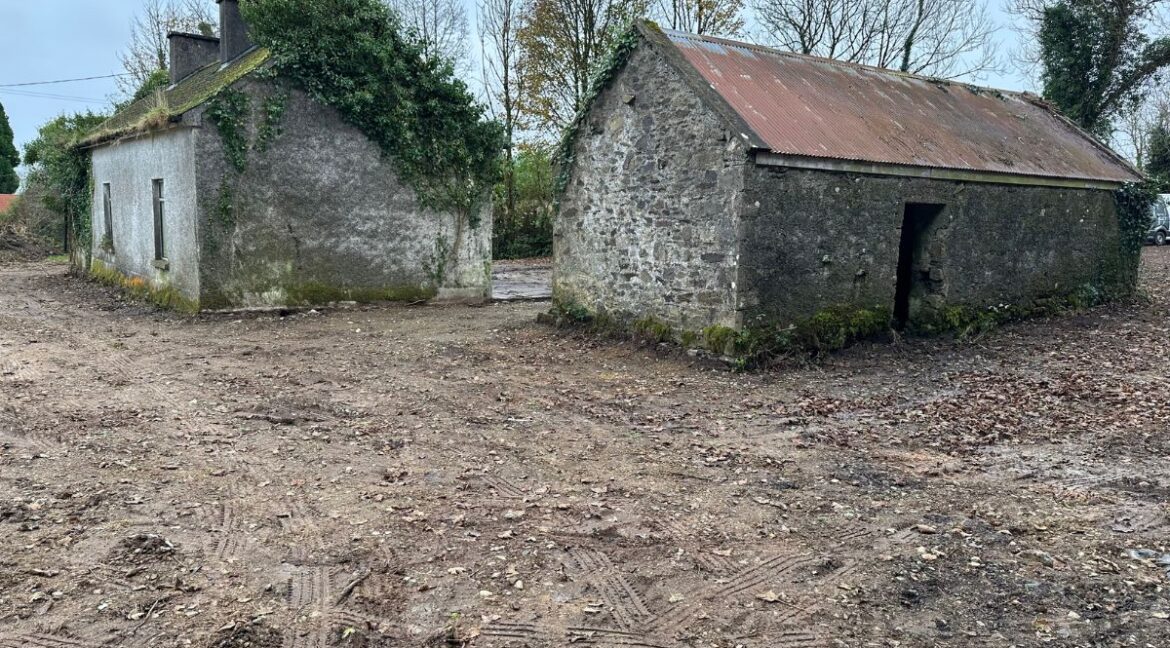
{"points": [[766, 157], [113, 137]]}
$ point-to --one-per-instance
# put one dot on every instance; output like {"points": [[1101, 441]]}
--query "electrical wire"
{"points": [[39, 83], [47, 95]]}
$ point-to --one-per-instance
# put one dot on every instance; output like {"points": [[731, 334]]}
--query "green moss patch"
{"points": [[167, 297], [829, 330]]}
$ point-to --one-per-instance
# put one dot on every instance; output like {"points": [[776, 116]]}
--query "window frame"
{"points": [[108, 212], [159, 201]]}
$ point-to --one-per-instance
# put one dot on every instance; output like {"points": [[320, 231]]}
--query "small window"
{"points": [[108, 215], [160, 251]]}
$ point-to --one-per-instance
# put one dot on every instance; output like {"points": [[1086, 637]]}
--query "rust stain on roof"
{"points": [[807, 106]]}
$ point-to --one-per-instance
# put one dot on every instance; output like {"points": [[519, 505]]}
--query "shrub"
{"points": [[64, 169], [525, 230]]}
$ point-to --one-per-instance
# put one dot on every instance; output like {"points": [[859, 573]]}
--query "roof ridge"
{"points": [[764, 49]]}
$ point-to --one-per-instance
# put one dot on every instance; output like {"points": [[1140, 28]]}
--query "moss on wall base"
{"points": [[139, 288], [831, 329]]}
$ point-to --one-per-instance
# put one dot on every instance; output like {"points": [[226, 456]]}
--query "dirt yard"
{"points": [[463, 476]]}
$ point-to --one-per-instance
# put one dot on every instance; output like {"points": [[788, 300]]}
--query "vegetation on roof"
{"points": [[163, 105], [353, 55]]}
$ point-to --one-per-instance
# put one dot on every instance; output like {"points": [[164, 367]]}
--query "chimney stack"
{"points": [[233, 33], [189, 52]]}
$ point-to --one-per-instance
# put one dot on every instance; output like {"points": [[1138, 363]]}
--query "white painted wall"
{"points": [[130, 166]]}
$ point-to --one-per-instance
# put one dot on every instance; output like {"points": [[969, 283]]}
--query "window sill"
{"points": [[161, 264]]}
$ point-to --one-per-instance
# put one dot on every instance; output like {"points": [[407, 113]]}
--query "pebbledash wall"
{"points": [[130, 167], [317, 214], [320, 215], [666, 215]]}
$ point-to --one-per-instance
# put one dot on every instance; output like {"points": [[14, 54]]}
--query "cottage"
{"points": [[717, 185], [230, 189]]}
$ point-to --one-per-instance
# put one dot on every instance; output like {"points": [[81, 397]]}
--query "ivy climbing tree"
{"points": [[1097, 58], [354, 56]]}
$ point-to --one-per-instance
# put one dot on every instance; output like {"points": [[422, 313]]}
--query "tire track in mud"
{"points": [[313, 596], [227, 540], [771, 569], [294, 518], [308, 596], [624, 603], [43, 641]]}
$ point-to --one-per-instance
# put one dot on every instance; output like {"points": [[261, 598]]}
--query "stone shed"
{"points": [[716, 185], [231, 189]]}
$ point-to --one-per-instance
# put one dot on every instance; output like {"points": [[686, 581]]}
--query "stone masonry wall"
{"points": [[320, 215], [647, 225], [813, 240]]}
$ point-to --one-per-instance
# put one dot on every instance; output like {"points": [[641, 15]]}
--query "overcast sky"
{"points": [[48, 40]]}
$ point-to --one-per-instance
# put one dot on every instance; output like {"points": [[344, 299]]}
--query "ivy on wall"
{"points": [[230, 112], [353, 55], [1134, 201], [615, 59]]}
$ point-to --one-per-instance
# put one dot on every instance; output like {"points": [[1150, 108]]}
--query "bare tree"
{"points": [[714, 17], [499, 26], [940, 38], [148, 51], [1131, 136], [441, 25], [561, 44]]}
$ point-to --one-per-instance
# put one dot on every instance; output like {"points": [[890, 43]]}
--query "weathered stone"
{"points": [[665, 216]]}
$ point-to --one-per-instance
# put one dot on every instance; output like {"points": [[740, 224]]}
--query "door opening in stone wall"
{"points": [[914, 263]]}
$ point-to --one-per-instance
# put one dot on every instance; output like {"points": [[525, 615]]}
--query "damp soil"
{"points": [[456, 475]]}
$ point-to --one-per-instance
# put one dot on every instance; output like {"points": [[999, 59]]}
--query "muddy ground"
{"points": [[429, 476]]}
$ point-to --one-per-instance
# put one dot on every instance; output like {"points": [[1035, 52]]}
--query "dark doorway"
{"points": [[913, 278]]}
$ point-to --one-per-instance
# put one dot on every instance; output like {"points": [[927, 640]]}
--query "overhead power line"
{"points": [[46, 95], [37, 83]]}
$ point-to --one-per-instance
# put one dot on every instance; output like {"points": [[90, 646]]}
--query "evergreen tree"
{"points": [[1158, 152], [9, 156]]}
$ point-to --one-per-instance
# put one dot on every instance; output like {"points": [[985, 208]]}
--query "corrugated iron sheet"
{"points": [[807, 106]]}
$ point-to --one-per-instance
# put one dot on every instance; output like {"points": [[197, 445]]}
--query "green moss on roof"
{"points": [[166, 105]]}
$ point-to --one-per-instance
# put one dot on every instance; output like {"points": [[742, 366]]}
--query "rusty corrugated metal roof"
{"points": [[807, 106]]}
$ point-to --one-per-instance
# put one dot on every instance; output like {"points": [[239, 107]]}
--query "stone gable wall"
{"points": [[647, 225]]}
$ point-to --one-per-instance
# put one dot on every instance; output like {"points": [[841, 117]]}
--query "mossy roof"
{"points": [[166, 105]]}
